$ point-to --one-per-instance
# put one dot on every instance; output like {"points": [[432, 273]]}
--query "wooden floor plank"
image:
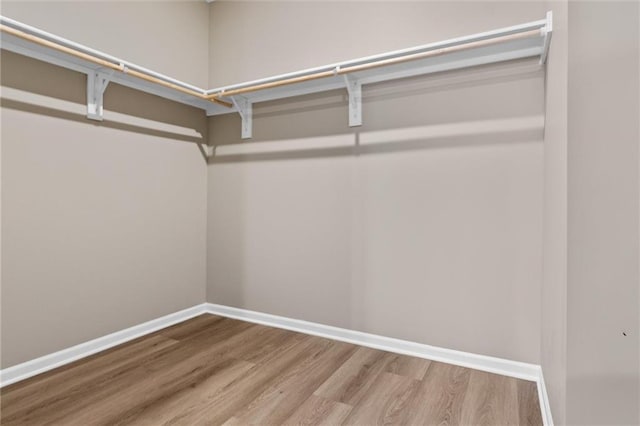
{"points": [[160, 407], [353, 379], [490, 399], [408, 366], [190, 327], [317, 410], [171, 374], [528, 403], [264, 345], [212, 370], [387, 401], [289, 390], [230, 400], [140, 342], [440, 396], [83, 371], [109, 384], [56, 385]]}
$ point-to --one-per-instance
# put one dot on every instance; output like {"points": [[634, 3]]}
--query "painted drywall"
{"points": [[170, 37], [554, 284], [603, 346], [283, 36], [103, 224], [424, 224]]}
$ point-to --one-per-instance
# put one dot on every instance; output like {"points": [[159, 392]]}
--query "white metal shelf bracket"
{"points": [[547, 30], [354, 87], [245, 109], [97, 83]]}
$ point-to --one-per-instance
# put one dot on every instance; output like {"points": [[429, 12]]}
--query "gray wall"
{"points": [[590, 292], [603, 291], [553, 343], [429, 214], [170, 37], [103, 224]]}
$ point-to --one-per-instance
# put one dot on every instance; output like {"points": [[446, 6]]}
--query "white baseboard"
{"points": [[501, 366], [545, 406], [74, 353], [489, 364]]}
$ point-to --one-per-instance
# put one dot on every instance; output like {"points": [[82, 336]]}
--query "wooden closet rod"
{"points": [[376, 64], [107, 64]]}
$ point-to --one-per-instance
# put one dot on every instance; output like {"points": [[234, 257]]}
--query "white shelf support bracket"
{"points": [[547, 30], [245, 109], [97, 83], [354, 87]]}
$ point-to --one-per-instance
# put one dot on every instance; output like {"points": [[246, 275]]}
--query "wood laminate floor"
{"points": [[212, 370]]}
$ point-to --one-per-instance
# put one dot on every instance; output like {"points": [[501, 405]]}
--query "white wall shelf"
{"points": [[520, 41], [100, 68]]}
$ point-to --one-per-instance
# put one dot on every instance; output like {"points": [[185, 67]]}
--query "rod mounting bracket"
{"points": [[97, 82], [546, 31], [354, 88], [245, 109]]}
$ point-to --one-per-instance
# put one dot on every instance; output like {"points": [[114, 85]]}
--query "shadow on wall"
{"points": [[36, 87], [394, 116], [438, 193]]}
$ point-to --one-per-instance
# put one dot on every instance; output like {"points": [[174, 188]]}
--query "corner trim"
{"points": [[57, 359], [545, 406], [505, 367]]}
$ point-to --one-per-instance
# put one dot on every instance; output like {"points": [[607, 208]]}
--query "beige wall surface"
{"points": [[103, 224], [603, 293], [424, 224], [277, 37], [170, 37], [553, 331]]}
